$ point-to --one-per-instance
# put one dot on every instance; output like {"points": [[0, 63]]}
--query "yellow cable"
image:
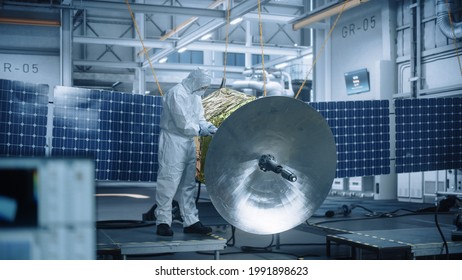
{"points": [[322, 48], [226, 43], [455, 39], [262, 52], [144, 49]]}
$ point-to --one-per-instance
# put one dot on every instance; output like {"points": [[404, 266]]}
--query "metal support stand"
{"points": [[278, 241], [456, 234]]}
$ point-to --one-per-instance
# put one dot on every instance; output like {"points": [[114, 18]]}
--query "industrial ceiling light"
{"points": [[163, 60], [281, 65], [182, 50], [189, 21], [236, 21], [206, 36], [324, 12], [116, 84]]}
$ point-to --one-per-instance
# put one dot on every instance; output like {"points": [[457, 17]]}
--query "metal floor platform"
{"points": [[407, 236], [121, 235], [387, 230], [136, 241], [411, 243]]}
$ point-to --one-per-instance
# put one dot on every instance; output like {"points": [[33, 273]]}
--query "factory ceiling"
{"points": [[106, 48]]}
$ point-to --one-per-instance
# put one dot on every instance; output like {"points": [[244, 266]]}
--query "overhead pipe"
{"points": [[442, 14], [272, 88], [290, 90]]}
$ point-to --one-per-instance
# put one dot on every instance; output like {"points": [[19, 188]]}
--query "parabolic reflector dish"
{"points": [[270, 165]]}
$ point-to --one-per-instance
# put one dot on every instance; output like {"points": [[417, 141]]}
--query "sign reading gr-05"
{"points": [[25, 68], [366, 24]]}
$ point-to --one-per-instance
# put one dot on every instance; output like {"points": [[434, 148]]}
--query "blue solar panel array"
{"points": [[362, 134], [23, 118], [119, 130], [428, 134]]}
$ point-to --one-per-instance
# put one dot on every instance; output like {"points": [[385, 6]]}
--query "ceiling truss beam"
{"points": [[117, 6], [238, 11], [198, 45], [147, 8]]}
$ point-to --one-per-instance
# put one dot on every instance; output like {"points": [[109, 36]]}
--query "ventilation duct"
{"points": [[442, 14]]}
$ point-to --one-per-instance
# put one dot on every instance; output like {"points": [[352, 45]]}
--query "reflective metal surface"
{"points": [[298, 138]]}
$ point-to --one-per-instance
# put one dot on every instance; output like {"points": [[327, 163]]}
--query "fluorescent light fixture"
{"points": [[206, 36], [123, 195], [189, 21], [281, 65], [116, 84], [182, 50], [236, 21], [163, 60], [324, 12]]}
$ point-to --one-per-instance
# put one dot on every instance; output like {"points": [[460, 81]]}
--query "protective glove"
{"points": [[212, 129], [204, 132], [207, 131]]}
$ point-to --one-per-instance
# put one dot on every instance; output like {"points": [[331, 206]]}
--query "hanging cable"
{"points": [[144, 48], [262, 52], [322, 48], [454, 35], [445, 243]]}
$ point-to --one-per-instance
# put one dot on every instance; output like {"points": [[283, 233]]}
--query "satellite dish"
{"points": [[270, 165]]}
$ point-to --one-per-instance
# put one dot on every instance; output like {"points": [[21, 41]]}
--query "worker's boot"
{"points": [[197, 228], [164, 230]]}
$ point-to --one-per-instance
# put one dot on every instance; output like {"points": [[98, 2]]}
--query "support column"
{"points": [[139, 84], [248, 43], [140, 77], [66, 48], [416, 46], [386, 186]]}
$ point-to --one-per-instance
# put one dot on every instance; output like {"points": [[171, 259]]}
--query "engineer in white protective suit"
{"points": [[182, 119]]}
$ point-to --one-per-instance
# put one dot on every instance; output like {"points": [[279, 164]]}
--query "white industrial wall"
{"points": [[378, 32], [30, 53], [361, 39], [377, 36], [436, 54]]}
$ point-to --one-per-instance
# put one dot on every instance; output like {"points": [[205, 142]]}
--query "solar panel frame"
{"points": [[428, 134], [361, 131], [119, 130], [23, 118]]}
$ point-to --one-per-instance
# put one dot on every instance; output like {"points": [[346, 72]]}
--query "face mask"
{"points": [[200, 91]]}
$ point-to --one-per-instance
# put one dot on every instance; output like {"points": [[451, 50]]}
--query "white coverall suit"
{"points": [[182, 119]]}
